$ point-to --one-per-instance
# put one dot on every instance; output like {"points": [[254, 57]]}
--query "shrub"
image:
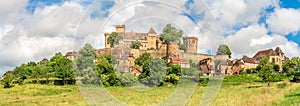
{"points": [[203, 81], [128, 79], [172, 78], [7, 81]]}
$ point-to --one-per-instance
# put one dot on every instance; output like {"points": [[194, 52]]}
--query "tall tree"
{"points": [[224, 50], [144, 58], [292, 65], [170, 34], [153, 72], [267, 73], [86, 58], [114, 39], [63, 67]]}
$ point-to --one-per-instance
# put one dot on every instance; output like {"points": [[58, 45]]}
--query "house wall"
{"points": [[151, 41]]}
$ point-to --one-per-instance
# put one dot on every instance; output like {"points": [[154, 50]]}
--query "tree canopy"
{"points": [[170, 34], [86, 57], [114, 39], [224, 50]]}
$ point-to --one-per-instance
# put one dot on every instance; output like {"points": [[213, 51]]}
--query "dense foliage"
{"points": [[114, 39], [171, 34], [224, 50]]}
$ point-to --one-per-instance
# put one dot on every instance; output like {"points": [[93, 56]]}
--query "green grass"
{"points": [[232, 95], [33, 94], [292, 99]]}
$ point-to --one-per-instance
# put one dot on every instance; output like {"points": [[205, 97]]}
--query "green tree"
{"points": [[292, 65], [224, 50], [85, 57], [267, 73], [114, 39], [63, 67], [153, 73], [45, 70], [144, 58], [170, 34], [7, 81], [21, 73], [182, 47], [262, 62], [135, 45], [106, 71], [174, 69]]}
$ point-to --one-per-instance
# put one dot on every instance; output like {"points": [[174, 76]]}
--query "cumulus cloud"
{"points": [[254, 38], [284, 21], [237, 13]]}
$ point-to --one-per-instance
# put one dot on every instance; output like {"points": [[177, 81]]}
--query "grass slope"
{"points": [[233, 95]]}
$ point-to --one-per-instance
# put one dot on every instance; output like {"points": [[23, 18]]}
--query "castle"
{"points": [[152, 44]]}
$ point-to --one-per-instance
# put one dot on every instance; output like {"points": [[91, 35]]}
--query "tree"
{"points": [[21, 73], [224, 50], [292, 65], [85, 57], [106, 71], [174, 69], [114, 39], [267, 73], [63, 67], [170, 34], [182, 47], [7, 81], [135, 45], [153, 72], [144, 58]]}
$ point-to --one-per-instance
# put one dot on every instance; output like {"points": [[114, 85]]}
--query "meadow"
{"points": [[233, 95]]}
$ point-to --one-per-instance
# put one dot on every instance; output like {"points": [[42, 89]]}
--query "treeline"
{"points": [[89, 69]]}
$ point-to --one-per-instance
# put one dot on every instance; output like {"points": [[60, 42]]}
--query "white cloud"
{"points": [[261, 41], [236, 13], [254, 38], [284, 21]]}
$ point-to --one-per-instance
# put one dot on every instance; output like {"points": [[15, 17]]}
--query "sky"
{"points": [[31, 30]]}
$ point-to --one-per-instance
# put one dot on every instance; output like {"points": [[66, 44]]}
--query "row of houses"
{"points": [[235, 66]]}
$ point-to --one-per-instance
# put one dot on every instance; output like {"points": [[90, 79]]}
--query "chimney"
{"points": [[120, 28]]}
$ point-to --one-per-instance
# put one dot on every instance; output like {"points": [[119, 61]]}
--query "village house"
{"points": [[275, 56]]}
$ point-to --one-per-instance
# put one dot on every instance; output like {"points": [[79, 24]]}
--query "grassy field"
{"points": [[237, 95]]}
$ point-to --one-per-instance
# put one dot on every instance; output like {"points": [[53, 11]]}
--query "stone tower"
{"points": [[191, 44], [120, 28]]}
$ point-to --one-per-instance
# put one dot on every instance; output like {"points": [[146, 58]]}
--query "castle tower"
{"points": [[120, 28], [191, 44], [151, 39], [172, 49]]}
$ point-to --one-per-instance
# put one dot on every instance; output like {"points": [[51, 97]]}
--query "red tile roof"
{"points": [[250, 60], [151, 31], [261, 54]]}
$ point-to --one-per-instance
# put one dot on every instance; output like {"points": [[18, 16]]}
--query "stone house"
{"points": [[71, 55], [276, 56]]}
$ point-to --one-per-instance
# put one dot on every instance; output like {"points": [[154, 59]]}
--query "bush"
{"points": [[203, 81], [279, 77], [7, 81], [128, 79], [172, 78]]}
